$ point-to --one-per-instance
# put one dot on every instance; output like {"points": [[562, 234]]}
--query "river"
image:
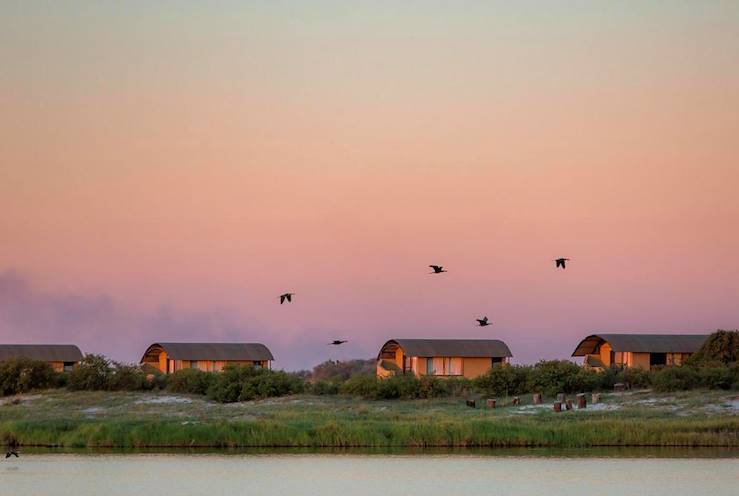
{"points": [[518, 472]]}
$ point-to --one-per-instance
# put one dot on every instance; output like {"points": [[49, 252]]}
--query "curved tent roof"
{"points": [[41, 352], [213, 351], [642, 343], [467, 348]]}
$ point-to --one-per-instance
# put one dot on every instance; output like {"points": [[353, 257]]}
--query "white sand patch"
{"points": [[93, 410], [655, 401], [603, 407], [730, 406], [532, 409], [14, 400], [163, 400]]}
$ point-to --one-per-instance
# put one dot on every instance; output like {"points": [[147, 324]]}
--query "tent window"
{"points": [[438, 364], [454, 366]]}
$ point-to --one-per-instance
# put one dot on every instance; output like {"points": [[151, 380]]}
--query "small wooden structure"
{"points": [[581, 402], [209, 357], [61, 357], [536, 398], [557, 406], [490, 403]]}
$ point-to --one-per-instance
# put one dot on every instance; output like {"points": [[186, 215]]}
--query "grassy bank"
{"points": [[105, 419]]}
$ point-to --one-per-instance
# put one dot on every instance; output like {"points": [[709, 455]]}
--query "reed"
{"points": [[136, 420]]}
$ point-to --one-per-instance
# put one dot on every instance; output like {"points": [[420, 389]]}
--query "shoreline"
{"points": [[60, 419]]}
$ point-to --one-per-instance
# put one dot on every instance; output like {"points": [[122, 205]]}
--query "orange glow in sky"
{"points": [[166, 172]]}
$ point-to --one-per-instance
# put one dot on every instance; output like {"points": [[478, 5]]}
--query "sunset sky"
{"points": [[166, 171]]}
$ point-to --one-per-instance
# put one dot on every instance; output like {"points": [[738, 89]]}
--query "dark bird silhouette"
{"points": [[483, 322], [561, 262], [286, 296], [337, 342], [10, 453], [438, 269]]}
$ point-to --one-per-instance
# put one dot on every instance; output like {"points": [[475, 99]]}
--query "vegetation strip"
{"points": [[159, 420]]}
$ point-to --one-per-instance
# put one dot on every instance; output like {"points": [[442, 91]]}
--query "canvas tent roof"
{"points": [[452, 347], [42, 352], [642, 343], [214, 351]]}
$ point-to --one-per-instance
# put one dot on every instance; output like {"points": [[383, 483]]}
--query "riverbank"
{"points": [[130, 420]]}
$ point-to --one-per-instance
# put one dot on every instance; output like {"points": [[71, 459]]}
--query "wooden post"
{"points": [[516, 401], [536, 399], [561, 397], [569, 404], [490, 403], [596, 398], [581, 403], [557, 406]]}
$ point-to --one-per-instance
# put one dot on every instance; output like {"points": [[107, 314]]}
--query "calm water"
{"points": [[366, 474]]}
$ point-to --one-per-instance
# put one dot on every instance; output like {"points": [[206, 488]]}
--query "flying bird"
{"points": [[10, 453], [561, 262], [438, 269], [286, 296], [483, 322], [337, 342]]}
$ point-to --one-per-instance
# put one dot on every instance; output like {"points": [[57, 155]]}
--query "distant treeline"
{"points": [[714, 366]]}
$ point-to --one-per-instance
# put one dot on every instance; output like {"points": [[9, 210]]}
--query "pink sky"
{"points": [[165, 174]]}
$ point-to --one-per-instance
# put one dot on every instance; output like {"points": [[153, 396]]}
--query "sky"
{"points": [[167, 169]]}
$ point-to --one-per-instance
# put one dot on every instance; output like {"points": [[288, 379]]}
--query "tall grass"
{"points": [[333, 431]]}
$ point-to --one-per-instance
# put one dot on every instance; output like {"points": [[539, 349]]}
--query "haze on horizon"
{"points": [[167, 170]]}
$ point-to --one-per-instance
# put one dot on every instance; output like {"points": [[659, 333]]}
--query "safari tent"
{"points": [[441, 357], [644, 351], [62, 357], [210, 357]]}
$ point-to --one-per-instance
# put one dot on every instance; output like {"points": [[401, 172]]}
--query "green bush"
{"points": [[721, 346], [675, 379], [190, 381], [125, 377], [364, 386], [97, 373], [716, 377], [324, 388], [405, 386], [636, 377], [61, 380], [92, 373], [237, 383], [440, 387], [338, 371], [19, 375], [505, 381], [557, 376]]}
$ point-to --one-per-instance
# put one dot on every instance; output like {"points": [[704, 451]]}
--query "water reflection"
{"points": [[600, 452], [504, 472]]}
